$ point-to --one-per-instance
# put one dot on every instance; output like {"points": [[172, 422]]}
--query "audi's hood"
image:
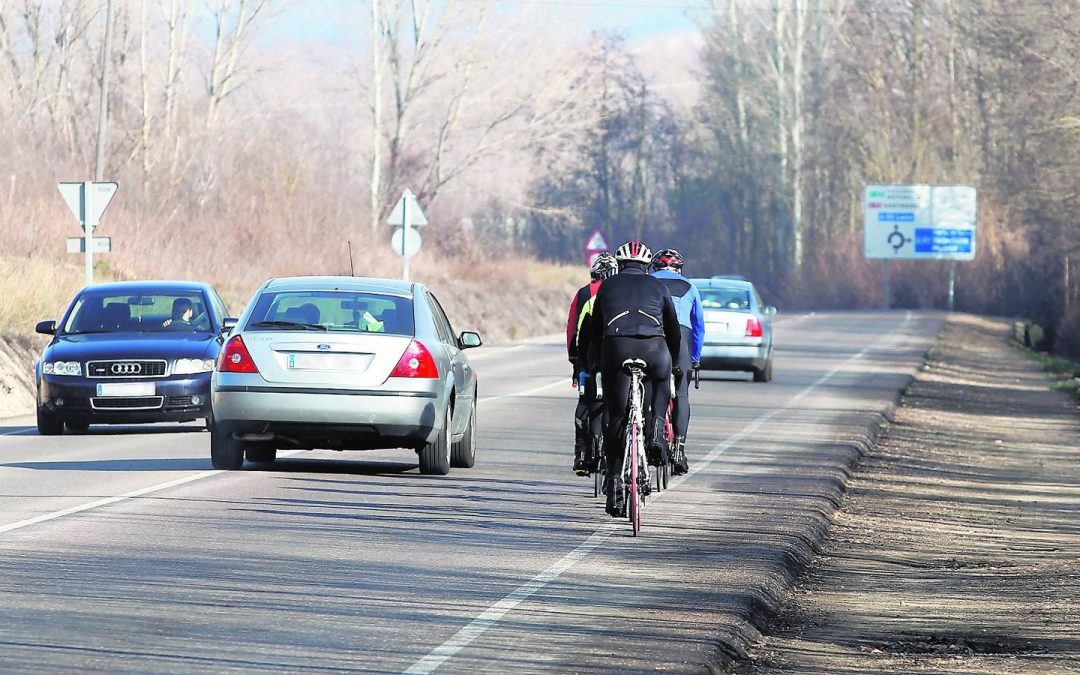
{"points": [[95, 346]]}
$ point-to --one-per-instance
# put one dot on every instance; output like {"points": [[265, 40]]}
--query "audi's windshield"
{"points": [[139, 312]]}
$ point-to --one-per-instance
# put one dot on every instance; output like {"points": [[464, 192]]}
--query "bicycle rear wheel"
{"points": [[633, 504]]}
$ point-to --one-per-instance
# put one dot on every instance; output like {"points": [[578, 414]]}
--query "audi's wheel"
{"points": [[48, 424]]}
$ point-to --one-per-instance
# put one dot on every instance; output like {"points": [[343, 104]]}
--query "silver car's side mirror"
{"points": [[769, 310], [469, 339]]}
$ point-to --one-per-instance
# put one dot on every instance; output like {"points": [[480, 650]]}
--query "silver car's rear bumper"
{"points": [[353, 419], [733, 357]]}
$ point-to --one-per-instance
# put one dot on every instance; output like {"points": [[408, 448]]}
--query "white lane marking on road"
{"points": [[496, 612], [118, 498], [493, 614], [527, 392], [102, 502]]}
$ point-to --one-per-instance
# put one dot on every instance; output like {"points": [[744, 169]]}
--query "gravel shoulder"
{"points": [[957, 547]]}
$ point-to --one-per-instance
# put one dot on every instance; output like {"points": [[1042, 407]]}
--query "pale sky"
{"points": [[638, 20]]}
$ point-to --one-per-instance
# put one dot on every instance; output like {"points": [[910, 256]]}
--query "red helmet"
{"points": [[667, 259]]}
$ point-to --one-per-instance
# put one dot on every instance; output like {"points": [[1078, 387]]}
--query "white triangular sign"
{"points": [[596, 242], [101, 195], [416, 214]]}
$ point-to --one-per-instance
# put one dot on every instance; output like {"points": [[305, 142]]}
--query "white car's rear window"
{"points": [[732, 298]]}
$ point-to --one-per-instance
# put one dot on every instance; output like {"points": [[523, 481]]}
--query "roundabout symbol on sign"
{"points": [[897, 239]]}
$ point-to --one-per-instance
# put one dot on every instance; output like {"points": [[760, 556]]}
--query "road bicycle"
{"points": [[634, 450]]}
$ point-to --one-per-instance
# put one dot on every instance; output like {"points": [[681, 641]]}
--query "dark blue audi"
{"points": [[130, 352]]}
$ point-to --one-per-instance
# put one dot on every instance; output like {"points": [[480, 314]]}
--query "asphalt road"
{"points": [[122, 551]]}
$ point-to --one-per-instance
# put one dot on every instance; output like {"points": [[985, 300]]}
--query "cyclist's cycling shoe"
{"points": [[616, 503], [656, 447], [581, 463], [680, 465]]}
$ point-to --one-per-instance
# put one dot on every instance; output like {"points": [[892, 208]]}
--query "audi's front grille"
{"points": [[127, 403], [133, 368]]}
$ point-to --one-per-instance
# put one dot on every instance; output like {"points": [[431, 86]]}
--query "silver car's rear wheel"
{"points": [[764, 374], [463, 454], [435, 456], [226, 451], [260, 454]]}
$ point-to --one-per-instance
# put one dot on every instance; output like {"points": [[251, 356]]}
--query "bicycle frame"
{"points": [[634, 451]]}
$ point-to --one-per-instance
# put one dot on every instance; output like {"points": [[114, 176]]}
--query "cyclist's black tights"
{"points": [[680, 414], [616, 349]]}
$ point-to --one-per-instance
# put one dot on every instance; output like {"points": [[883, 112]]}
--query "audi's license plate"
{"points": [[126, 389]]}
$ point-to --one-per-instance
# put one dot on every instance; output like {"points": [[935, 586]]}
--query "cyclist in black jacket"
{"points": [[633, 317]]}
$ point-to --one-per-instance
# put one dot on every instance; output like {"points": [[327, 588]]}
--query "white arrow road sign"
{"points": [[100, 196], [414, 213]]}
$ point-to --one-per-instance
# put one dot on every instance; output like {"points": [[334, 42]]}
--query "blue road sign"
{"points": [[896, 217], [940, 240]]}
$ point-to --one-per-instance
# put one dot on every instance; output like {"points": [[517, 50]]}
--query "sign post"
{"points": [[405, 240], [88, 201], [920, 222]]}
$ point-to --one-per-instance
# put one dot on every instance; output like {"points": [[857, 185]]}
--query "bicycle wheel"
{"points": [[633, 505]]}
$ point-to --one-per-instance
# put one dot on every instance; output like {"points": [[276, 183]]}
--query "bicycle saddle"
{"points": [[630, 365]]}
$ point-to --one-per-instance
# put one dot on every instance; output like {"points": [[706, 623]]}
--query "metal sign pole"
{"points": [[88, 229], [952, 283], [885, 284], [404, 238]]}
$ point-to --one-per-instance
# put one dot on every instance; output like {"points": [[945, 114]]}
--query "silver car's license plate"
{"points": [[328, 361], [126, 389]]}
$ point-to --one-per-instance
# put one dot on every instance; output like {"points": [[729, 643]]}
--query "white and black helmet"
{"points": [[634, 251], [604, 266]]}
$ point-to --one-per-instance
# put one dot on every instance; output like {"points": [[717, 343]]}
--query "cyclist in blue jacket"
{"points": [[667, 265]]}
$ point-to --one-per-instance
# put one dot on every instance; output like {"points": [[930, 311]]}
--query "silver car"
{"points": [[344, 363], [738, 327]]}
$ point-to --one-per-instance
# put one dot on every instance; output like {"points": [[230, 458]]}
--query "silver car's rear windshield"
{"points": [[726, 297], [333, 311]]}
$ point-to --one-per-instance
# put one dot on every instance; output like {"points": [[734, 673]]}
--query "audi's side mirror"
{"points": [[227, 324], [46, 327]]}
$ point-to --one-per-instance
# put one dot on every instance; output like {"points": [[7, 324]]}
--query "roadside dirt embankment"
{"points": [[17, 356], [957, 548]]}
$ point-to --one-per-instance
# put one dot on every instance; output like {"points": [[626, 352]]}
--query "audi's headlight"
{"points": [[62, 368], [192, 366]]}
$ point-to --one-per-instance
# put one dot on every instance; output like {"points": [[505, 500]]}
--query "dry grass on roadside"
{"points": [[33, 289], [505, 298]]}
